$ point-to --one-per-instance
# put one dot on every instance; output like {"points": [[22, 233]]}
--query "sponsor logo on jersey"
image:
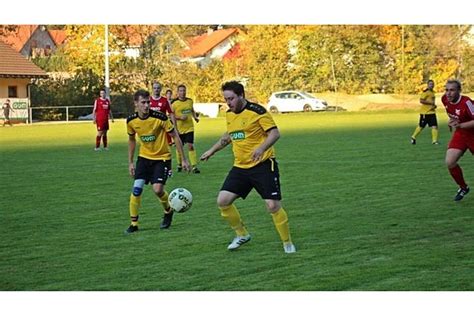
{"points": [[237, 135], [148, 138], [186, 111]]}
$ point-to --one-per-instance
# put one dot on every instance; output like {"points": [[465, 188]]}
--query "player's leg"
{"points": [[104, 138], [135, 203], [452, 157], [192, 153], [433, 123], [160, 175], [179, 159], [418, 129], [266, 180], [98, 137]]}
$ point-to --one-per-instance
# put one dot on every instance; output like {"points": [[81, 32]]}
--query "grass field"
{"points": [[367, 210]]}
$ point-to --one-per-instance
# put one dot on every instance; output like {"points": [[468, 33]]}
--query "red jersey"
{"points": [[462, 110], [161, 104], [102, 109]]}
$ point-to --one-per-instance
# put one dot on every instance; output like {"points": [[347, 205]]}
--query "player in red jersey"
{"points": [[101, 114], [460, 110]]}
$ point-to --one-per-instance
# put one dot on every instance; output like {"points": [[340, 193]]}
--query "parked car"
{"points": [[295, 101]]}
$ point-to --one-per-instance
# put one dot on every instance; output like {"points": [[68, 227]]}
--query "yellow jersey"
{"points": [[248, 130], [429, 96], [184, 108], [151, 134]]}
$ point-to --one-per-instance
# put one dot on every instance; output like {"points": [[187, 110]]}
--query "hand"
{"points": [[453, 123], [113, 121], [186, 165], [205, 156], [131, 169], [257, 154]]}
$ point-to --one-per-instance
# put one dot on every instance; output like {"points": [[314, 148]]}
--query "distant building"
{"points": [[16, 73], [34, 40], [215, 44]]}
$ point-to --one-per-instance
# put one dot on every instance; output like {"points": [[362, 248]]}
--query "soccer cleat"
{"points": [[167, 219], [179, 169], [461, 193], [97, 149], [196, 170], [131, 229], [238, 241], [413, 141], [170, 173], [289, 247], [106, 148], [435, 143]]}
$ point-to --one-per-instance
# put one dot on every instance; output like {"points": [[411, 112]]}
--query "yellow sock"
{"points": [[232, 216], [135, 202], [164, 201], [416, 132], [434, 135], [178, 158], [280, 219], [192, 157]]}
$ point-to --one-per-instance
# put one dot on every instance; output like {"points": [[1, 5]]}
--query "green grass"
{"points": [[367, 210]]}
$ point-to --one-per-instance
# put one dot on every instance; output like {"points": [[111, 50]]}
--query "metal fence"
{"points": [[60, 113]]}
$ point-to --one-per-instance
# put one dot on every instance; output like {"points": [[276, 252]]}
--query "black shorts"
{"points": [[187, 138], [429, 119], [152, 171], [264, 177]]}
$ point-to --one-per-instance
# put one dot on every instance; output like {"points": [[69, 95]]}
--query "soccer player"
{"points": [[169, 96], [7, 108], [101, 114], [460, 110], [427, 114], [252, 132], [154, 157], [184, 113]]}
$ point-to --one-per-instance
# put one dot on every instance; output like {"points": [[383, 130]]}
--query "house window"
{"points": [[12, 92]]}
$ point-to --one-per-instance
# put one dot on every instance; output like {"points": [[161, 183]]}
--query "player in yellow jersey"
{"points": [[184, 114], [252, 132], [427, 114], [154, 157]]}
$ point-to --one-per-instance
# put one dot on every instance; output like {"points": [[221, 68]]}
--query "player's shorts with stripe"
{"points": [[103, 125], [264, 177], [187, 138], [462, 141], [152, 171], [428, 119]]}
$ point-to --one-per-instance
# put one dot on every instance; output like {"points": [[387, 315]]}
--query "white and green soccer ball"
{"points": [[180, 200]]}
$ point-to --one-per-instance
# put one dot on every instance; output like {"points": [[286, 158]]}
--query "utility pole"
{"points": [[106, 53], [334, 79], [403, 65]]}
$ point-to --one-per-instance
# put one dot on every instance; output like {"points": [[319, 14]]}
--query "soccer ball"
{"points": [[180, 200]]}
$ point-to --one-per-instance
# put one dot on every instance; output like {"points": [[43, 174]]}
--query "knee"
{"points": [[273, 205], [138, 187]]}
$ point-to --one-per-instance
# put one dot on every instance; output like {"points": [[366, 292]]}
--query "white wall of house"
{"points": [[21, 85]]}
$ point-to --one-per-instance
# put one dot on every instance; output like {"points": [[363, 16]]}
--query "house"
{"points": [[16, 73], [215, 44], [34, 40]]}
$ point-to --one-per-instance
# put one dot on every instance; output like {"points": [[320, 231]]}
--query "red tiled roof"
{"points": [[19, 38], [202, 44], [58, 36], [13, 64], [234, 52]]}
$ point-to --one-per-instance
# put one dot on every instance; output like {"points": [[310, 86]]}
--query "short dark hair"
{"points": [[456, 82], [169, 90], [181, 86], [235, 86], [430, 80], [141, 93]]}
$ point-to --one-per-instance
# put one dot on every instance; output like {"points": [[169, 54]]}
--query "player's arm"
{"points": [[132, 144], [221, 144], [94, 112], [179, 148], [195, 115], [272, 136]]}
